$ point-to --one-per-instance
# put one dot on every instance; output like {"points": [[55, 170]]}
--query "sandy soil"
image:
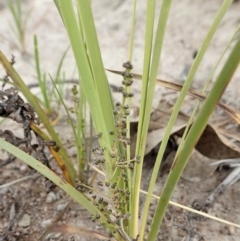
{"points": [[188, 24]]}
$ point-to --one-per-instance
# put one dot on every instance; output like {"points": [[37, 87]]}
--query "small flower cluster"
{"points": [[115, 206]]}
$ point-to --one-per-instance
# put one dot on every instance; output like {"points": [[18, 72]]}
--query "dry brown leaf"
{"points": [[216, 146], [178, 87], [211, 144], [198, 167]]}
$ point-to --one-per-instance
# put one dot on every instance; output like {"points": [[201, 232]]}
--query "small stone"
{"points": [[58, 195], [231, 230], [46, 223], [49, 236], [51, 197], [23, 168], [52, 236], [42, 194], [4, 190], [61, 206], [57, 235], [25, 221]]}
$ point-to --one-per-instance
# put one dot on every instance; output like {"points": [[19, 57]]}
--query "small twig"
{"points": [[122, 232], [19, 180], [233, 177], [71, 81]]}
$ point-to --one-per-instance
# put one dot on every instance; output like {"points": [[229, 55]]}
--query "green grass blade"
{"points": [[142, 135], [88, 83], [41, 79], [84, 69], [193, 136], [16, 11], [61, 63], [128, 149], [16, 18], [81, 129], [98, 71], [57, 75], [146, 68], [58, 8], [131, 38]]}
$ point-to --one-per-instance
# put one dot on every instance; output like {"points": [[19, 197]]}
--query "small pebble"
{"points": [[58, 195], [4, 190], [46, 223], [12, 211], [61, 206], [51, 197], [51, 236], [25, 221], [23, 168], [57, 235], [42, 194], [231, 230]]}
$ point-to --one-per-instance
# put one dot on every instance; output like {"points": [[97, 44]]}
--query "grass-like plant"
{"points": [[20, 21], [47, 90], [118, 208]]}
